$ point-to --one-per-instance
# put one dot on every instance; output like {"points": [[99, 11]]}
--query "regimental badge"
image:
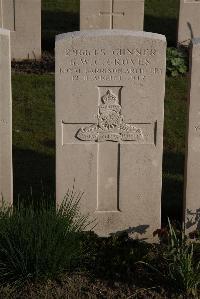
{"points": [[111, 125]]}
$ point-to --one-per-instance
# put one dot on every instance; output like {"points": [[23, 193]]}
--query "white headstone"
{"points": [[6, 180], [110, 88], [192, 186], [23, 18], [112, 14], [189, 25]]}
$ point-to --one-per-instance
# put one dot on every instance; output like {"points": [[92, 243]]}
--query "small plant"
{"points": [[177, 62], [40, 243], [182, 269], [176, 262]]}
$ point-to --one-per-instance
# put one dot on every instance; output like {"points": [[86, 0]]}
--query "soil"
{"points": [[39, 67], [84, 286]]}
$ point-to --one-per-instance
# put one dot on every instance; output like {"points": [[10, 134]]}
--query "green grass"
{"points": [[60, 16], [34, 159], [41, 243], [161, 17], [34, 120], [34, 138], [34, 117], [61, 5], [33, 133], [174, 145], [175, 113], [176, 261]]}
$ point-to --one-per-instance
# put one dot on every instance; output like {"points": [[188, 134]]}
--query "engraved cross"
{"points": [[108, 136], [112, 14]]}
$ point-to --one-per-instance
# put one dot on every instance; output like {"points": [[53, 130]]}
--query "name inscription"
{"points": [[136, 64]]}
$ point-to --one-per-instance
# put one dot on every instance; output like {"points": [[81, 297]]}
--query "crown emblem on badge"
{"points": [[110, 125], [109, 97]]}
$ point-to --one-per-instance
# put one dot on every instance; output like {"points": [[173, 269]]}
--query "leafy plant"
{"points": [[182, 269], [176, 262], [41, 243], [177, 62]]}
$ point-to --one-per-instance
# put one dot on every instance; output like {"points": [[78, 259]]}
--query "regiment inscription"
{"points": [[98, 64]]}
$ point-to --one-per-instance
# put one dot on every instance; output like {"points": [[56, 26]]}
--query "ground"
{"points": [[34, 128]]}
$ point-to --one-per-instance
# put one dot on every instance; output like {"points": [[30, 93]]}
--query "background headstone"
{"points": [[189, 25], [110, 88], [23, 18], [112, 14], [192, 174], [6, 181]]}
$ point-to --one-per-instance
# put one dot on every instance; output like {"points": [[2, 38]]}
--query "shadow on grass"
{"points": [[114, 258], [172, 191], [56, 22], [162, 25], [34, 176]]}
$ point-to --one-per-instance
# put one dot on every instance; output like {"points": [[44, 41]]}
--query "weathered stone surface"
{"points": [[189, 25], [192, 174], [23, 18], [112, 14], [110, 87], [6, 182]]}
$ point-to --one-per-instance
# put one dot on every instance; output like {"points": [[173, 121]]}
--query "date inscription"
{"points": [[136, 64]]}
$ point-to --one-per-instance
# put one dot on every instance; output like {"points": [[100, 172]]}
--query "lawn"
{"points": [[33, 134], [63, 16], [112, 261], [33, 109]]}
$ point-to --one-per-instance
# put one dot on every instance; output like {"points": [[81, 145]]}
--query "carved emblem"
{"points": [[110, 125]]}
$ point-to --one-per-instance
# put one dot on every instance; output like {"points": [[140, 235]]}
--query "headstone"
{"points": [[112, 14], [110, 87], [6, 182], [192, 186], [189, 25], [23, 18]]}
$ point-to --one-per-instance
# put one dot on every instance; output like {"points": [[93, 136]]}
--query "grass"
{"points": [[33, 133], [33, 108], [34, 115], [112, 259], [161, 17], [40, 242], [46, 255], [34, 138], [60, 16], [183, 270], [174, 148], [57, 17], [177, 261], [61, 5]]}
